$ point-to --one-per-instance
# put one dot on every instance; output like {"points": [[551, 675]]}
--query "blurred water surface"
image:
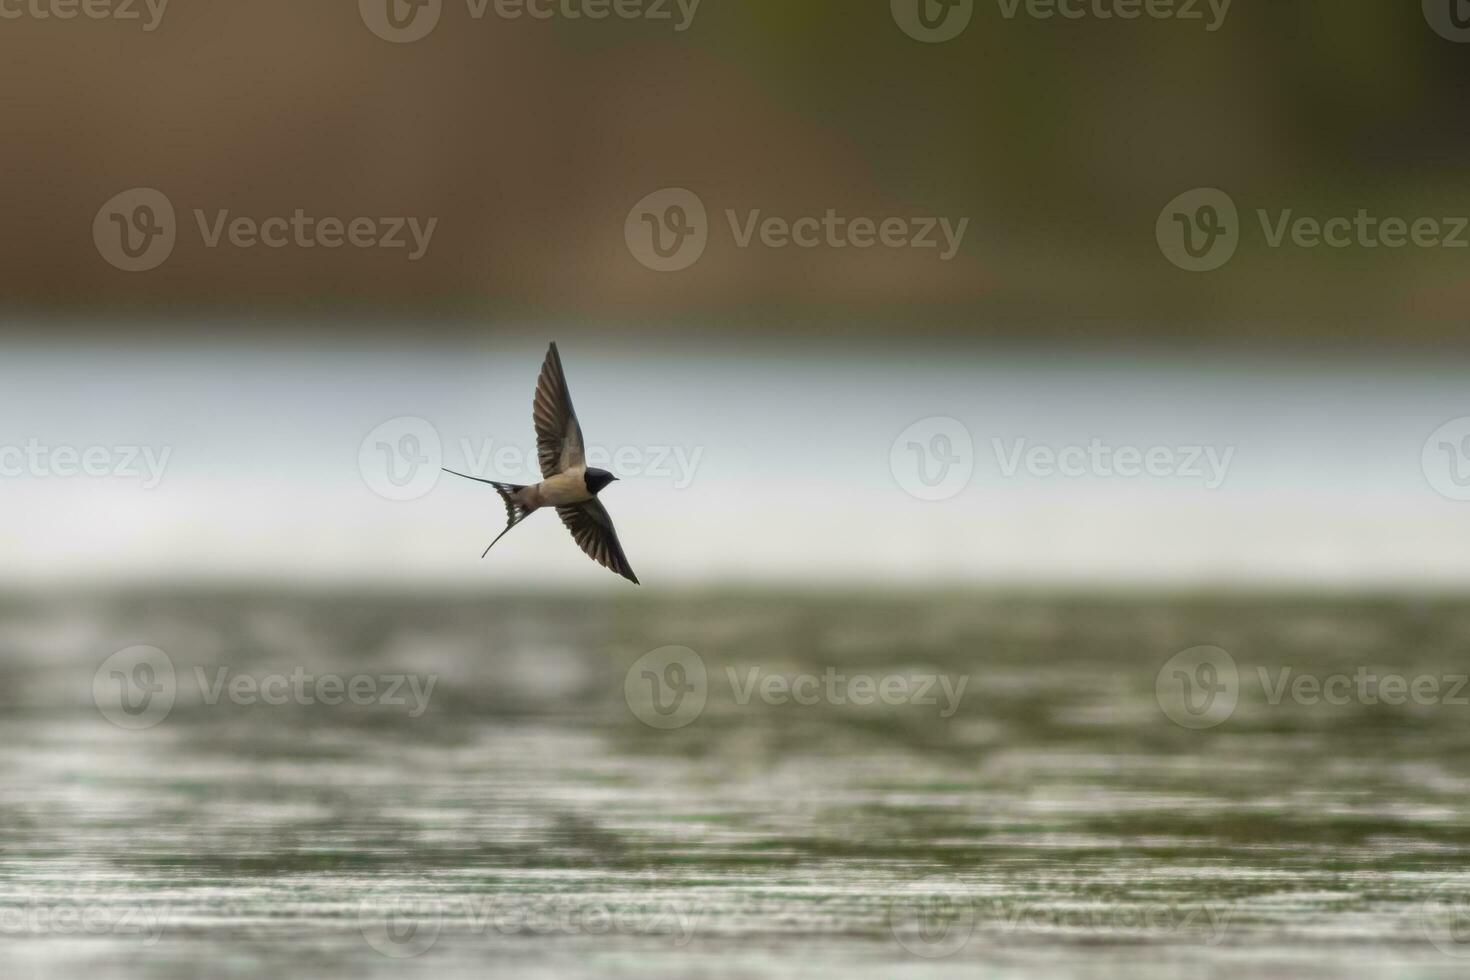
{"points": [[522, 820]]}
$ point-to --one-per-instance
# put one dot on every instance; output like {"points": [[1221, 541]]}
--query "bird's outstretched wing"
{"points": [[558, 433], [593, 531]]}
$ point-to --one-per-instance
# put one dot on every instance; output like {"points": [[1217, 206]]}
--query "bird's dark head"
{"points": [[597, 479]]}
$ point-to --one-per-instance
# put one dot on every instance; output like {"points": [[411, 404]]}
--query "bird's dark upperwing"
{"points": [[594, 533], [558, 433]]}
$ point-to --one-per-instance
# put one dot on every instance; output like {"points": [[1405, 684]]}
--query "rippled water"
{"points": [[520, 817]]}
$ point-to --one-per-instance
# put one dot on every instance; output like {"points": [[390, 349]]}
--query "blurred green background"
{"points": [[1060, 139]]}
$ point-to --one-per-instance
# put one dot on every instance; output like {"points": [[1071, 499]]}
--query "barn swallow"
{"points": [[569, 484]]}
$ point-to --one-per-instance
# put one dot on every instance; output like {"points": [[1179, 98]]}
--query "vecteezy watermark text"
{"points": [[405, 927], [400, 460], [669, 230], [37, 459], [1211, 13], [839, 688], [71, 918], [936, 917], [937, 21], [406, 21], [506, 461], [669, 688], [136, 688], [301, 688], [148, 12], [1208, 465]]}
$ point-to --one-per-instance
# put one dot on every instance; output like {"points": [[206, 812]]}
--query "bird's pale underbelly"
{"points": [[563, 489]]}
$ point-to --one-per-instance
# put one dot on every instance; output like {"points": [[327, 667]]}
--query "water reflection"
{"points": [[818, 814]]}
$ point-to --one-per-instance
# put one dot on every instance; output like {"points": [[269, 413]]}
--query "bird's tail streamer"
{"points": [[515, 511]]}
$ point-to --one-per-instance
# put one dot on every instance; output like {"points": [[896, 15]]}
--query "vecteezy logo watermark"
{"points": [[667, 688], [135, 688], [36, 459], [1450, 19], [398, 926], [120, 10], [1199, 687], [933, 917], [933, 459], [1200, 230], [1445, 918], [1207, 464], [400, 459], [136, 231], [401, 21], [405, 21], [933, 21], [1446, 459], [668, 231]]}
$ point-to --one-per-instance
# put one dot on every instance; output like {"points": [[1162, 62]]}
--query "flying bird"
{"points": [[568, 483]]}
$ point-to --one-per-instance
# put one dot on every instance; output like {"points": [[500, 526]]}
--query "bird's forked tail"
{"points": [[515, 511]]}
